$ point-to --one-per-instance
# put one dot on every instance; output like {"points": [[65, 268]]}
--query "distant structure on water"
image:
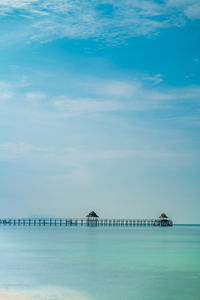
{"points": [[92, 219], [92, 216], [164, 220]]}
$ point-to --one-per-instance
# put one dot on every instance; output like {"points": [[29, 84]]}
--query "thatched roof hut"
{"points": [[92, 214], [163, 216]]}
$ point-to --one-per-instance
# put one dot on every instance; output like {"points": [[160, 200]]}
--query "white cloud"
{"points": [[78, 158], [115, 88], [21, 82], [9, 151], [76, 107], [6, 90], [34, 96], [192, 120], [6, 95], [104, 96], [124, 153], [136, 95], [112, 20], [187, 8], [5, 84], [77, 176], [193, 11], [158, 78]]}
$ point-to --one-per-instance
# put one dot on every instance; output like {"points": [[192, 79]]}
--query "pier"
{"points": [[81, 222], [92, 219]]}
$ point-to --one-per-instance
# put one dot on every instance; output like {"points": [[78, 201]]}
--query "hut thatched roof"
{"points": [[163, 216], [92, 214]]}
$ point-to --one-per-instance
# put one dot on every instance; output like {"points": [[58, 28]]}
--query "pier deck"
{"points": [[79, 221]]}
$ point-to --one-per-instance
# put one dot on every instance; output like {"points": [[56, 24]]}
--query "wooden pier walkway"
{"points": [[81, 222]]}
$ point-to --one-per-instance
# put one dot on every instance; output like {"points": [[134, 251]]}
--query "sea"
{"points": [[100, 263]]}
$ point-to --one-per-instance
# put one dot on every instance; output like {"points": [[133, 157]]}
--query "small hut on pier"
{"points": [[92, 218], [164, 220]]}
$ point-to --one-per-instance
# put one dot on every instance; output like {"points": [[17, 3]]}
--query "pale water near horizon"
{"points": [[99, 263]]}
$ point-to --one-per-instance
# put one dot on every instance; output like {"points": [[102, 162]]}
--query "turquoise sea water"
{"points": [[99, 263]]}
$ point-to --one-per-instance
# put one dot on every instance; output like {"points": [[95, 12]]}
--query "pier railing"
{"points": [[82, 221]]}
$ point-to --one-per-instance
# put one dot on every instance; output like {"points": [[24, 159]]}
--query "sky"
{"points": [[100, 108]]}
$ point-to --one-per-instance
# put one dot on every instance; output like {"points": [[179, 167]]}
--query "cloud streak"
{"points": [[111, 21], [77, 159], [80, 106], [10, 151], [104, 96]]}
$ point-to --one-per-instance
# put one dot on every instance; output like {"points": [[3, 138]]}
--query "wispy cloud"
{"points": [[111, 21], [20, 83], [75, 156], [104, 96], [78, 158], [76, 107], [34, 96], [114, 88], [9, 151], [187, 8], [158, 78], [192, 119]]}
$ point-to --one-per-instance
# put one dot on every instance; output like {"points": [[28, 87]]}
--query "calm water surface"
{"points": [[99, 263]]}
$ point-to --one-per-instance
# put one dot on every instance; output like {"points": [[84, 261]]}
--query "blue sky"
{"points": [[99, 108]]}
